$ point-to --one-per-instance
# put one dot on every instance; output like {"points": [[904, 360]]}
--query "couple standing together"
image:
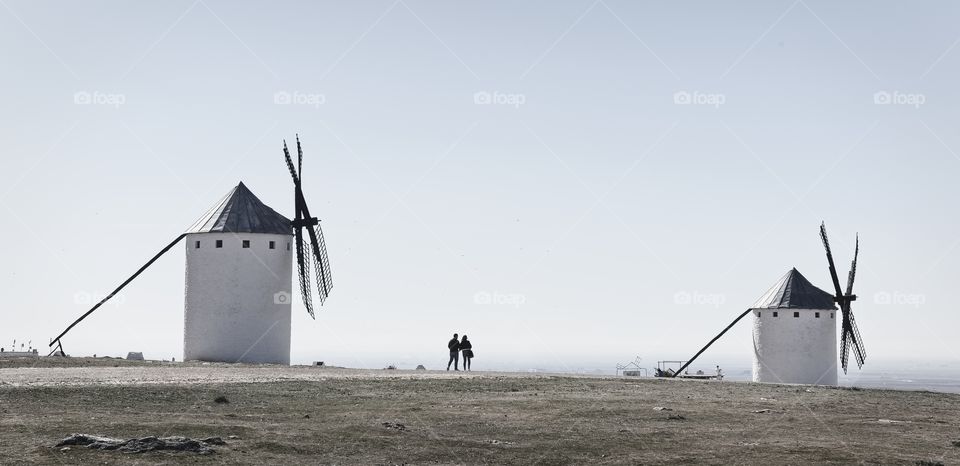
{"points": [[456, 346]]}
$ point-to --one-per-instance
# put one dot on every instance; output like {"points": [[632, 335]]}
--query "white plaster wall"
{"points": [[230, 309], [788, 349]]}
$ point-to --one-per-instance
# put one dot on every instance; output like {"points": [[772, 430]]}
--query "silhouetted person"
{"points": [[467, 349], [454, 347]]}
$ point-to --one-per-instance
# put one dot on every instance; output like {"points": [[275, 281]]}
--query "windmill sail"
{"points": [[850, 334], [311, 248]]}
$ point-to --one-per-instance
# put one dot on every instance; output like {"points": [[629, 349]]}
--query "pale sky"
{"points": [[587, 165]]}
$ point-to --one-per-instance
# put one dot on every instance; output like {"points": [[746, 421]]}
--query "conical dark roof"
{"points": [[794, 291], [241, 212]]}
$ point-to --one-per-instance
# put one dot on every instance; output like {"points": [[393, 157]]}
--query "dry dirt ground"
{"points": [[305, 415]]}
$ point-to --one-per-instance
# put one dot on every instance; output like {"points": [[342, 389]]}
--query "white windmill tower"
{"points": [[237, 294], [238, 276], [795, 333]]}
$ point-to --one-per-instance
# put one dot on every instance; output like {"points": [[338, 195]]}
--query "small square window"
{"points": [[775, 313], [219, 243], [196, 244], [758, 313], [288, 246], [816, 315], [831, 315], [796, 314], [273, 245], [246, 243]]}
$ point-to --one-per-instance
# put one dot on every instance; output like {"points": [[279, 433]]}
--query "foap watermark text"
{"points": [[109, 99], [914, 99], [900, 298], [313, 99], [697, 298], [496, 298], [713, 99], [86, 298], [499, 98]]}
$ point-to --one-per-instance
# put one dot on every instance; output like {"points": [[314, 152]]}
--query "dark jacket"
{"points": [[465, 345], [454, 345]]}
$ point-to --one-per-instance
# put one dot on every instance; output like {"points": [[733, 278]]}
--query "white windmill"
{"points": [[238, 276], [795, 328], [795, 332]]}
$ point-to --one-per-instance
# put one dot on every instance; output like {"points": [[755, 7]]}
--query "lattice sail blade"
{"points": [[303, 272], [844, 350], [299, 157], [853, 268], [859, 351], [322, 263], [290, 166], [833, 268], [846, 338]]}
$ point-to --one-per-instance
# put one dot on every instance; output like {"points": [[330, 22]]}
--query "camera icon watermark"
{"points": [[686, 298], [281, 297], [499, 98], [99, 98], [299, 98], [914, 100], [714, 100], [496, 298], [899, 298]]}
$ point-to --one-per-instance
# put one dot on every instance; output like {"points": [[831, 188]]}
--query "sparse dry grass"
{"points": [[338, 416]]}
